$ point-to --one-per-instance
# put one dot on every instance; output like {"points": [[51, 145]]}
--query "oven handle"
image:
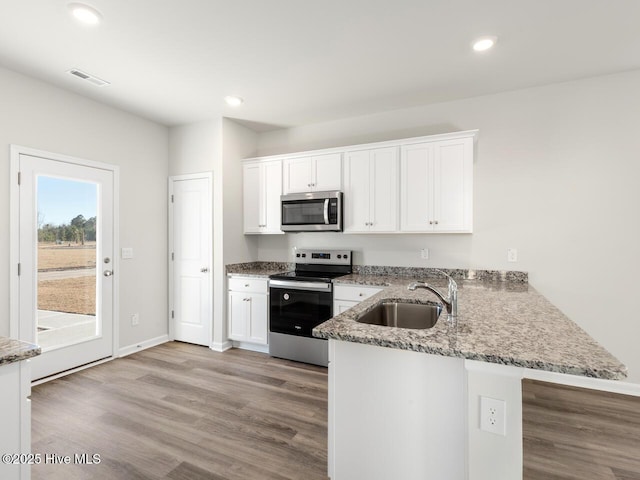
{"points": [[311, 286], [326, 211]]}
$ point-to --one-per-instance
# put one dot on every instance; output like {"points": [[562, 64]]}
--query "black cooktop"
{"points": [[308, 276]]}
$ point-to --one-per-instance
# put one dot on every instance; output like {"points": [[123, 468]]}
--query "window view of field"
{"points": [[67, 277], [66, 282]]}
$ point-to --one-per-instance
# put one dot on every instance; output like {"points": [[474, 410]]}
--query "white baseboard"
{"points": [[613, 386], [251, 346], [152, 342], [220, 347]]}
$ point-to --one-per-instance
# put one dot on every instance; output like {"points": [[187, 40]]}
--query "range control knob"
{"points": [[304, 255], [339, 256], [346, 256], [298, 255]]}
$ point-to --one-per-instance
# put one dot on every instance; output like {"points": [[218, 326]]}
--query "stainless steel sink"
{"points": [[403, 315]]}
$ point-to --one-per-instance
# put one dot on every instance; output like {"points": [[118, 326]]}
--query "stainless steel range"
{"points": [[301, 300]]}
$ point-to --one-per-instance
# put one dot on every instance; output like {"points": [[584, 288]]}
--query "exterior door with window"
{"points": [[65, 250]]}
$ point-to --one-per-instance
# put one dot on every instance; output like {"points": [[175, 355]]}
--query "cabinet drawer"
{"points": [[248, 284], [355, 293]]}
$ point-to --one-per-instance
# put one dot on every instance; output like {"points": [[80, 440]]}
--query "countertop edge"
{"points": [[12, 351]]}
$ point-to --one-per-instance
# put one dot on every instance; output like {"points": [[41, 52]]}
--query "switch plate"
{"points": [[424, 254], [135, 319], [493, 417], [512, 255], [126, 252]]}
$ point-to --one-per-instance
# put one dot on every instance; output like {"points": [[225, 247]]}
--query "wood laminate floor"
{"points": [[179, 411], [574, 433]]}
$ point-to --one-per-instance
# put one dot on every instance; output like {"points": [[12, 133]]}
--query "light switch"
{"points": [[127, 252]]}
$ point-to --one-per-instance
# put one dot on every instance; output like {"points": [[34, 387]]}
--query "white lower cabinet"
{"points": [[347, 296], [247, 309], [15, 419]]}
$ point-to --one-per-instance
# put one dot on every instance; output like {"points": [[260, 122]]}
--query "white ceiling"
{"points": [[297, 62]]}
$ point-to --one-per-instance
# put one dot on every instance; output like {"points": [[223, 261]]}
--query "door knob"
{"points": [[108, 273]]}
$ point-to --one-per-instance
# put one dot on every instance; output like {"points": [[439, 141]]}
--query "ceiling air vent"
{"points": [[98, 82]]}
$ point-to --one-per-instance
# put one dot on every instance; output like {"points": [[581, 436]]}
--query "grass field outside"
{"points": [[73, 294]]}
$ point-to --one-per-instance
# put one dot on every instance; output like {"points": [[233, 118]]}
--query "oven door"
{"points": [[297, 307], [319, 211]]}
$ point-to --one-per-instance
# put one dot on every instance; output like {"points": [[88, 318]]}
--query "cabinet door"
{"points": [[383, 164], [252, 204], [237, 308], [452, 185], [340, 306], [297, 175], [257, 319], [271, 198], [416, 172], [327, 172], [357, 192]]}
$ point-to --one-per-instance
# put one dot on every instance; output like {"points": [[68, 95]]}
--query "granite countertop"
{"points": [[257, 269], [15, 350], [504, 322]]}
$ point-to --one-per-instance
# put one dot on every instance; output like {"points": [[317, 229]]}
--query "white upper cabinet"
{"points": [[371, 191], [315, 173], [262, 186], [436, 185], [411, 185]]}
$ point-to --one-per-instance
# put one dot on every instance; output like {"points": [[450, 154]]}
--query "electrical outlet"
{"points": [[424, 254], [493, 415], [512, 255], [135, 319]]}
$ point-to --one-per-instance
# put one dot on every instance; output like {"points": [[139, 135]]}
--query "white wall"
{"points": [[218, 146], [238, 143], [556, 176], [37, 115]]}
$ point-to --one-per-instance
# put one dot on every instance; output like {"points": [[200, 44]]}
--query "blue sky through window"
{"points": [[60, 200]]}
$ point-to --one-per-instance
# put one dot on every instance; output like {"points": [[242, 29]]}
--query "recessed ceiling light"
{"points": [[233, 101], [85, 13], [484, 43]]}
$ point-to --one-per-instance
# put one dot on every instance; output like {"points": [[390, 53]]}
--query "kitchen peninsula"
{"points": [[405, 403], [15, 407]]}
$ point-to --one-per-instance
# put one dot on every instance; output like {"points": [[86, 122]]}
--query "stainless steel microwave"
{"points": [[311, 212]]}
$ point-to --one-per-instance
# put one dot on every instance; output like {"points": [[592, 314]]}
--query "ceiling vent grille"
{"points": [[98, 82]]}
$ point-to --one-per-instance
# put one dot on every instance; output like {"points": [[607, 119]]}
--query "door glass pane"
{"points": [[67, 255]]}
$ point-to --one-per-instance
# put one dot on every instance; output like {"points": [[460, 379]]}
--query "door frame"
{"points": [[14, 235], [170, 181]]}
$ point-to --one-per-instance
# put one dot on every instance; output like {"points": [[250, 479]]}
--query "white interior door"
{"points": [[65, 258], [191, 294]]}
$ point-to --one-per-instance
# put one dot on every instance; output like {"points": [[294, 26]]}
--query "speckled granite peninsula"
{"points": [[501, 319], [15, 350]]}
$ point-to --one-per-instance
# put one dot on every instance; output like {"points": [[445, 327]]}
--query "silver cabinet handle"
{"points": [[204, 269], [108, 273]]}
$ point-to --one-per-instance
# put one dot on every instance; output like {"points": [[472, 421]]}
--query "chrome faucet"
{"points": [[450, 301]]}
